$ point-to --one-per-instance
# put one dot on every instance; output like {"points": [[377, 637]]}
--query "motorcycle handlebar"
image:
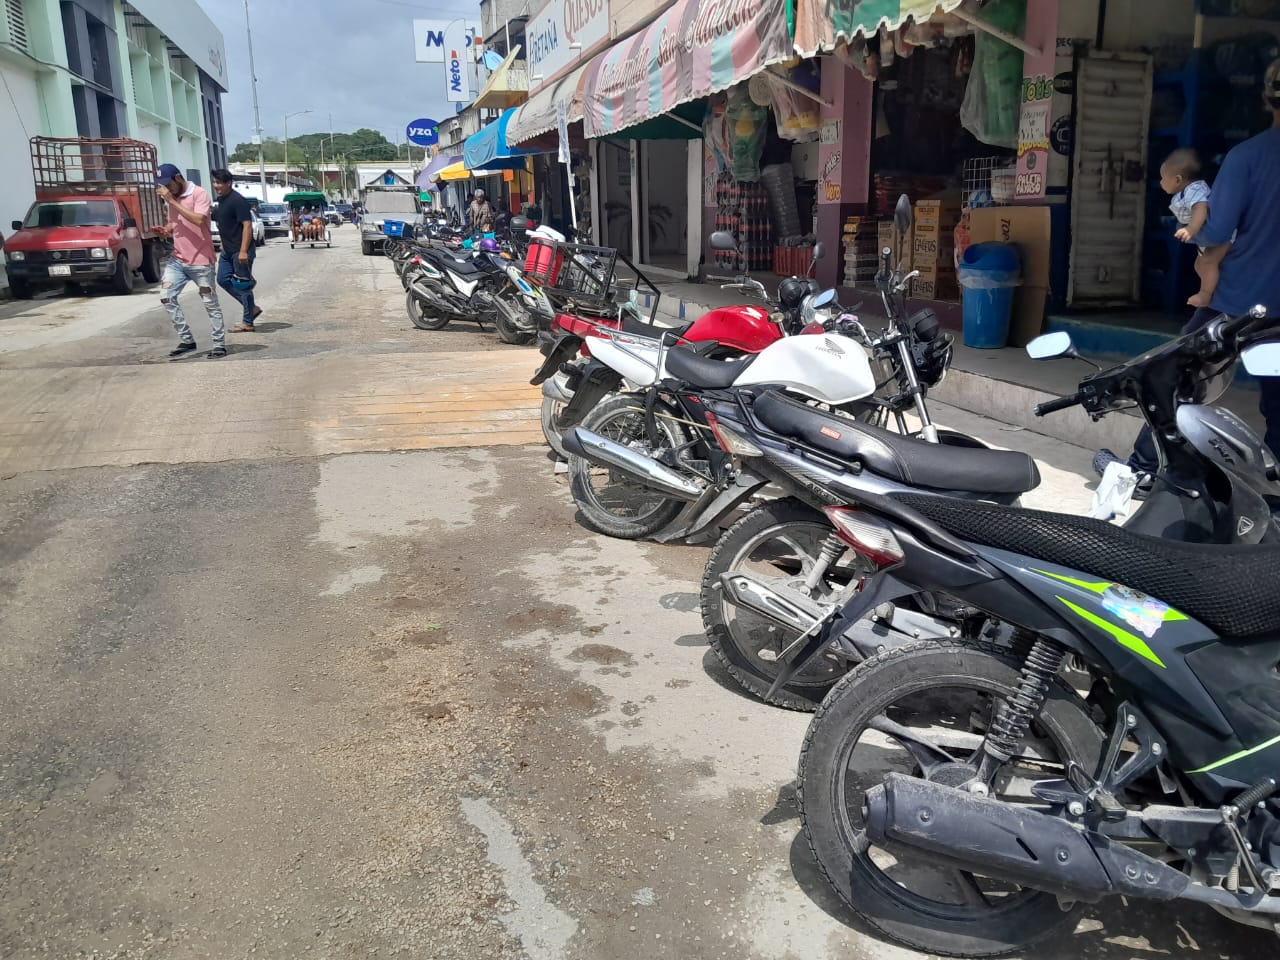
{"points": [[1053, 406]]}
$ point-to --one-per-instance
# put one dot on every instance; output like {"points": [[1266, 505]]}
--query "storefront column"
{"points": [[844, 159], [693, 238]]}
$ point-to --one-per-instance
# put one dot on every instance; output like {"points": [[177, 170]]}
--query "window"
{"points": [[72, 213], [17, 19]]}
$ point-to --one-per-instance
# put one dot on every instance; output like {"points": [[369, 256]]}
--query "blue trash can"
{"points": [[988, 274]]}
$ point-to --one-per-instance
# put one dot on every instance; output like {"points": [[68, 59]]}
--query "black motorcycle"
{"points": [[968, 799]]}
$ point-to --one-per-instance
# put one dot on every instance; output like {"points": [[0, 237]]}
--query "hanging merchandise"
{"points": [[746, 122], [993, 97], [715, 132]]}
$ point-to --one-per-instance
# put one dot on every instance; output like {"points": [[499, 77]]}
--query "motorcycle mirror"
{"points": [[819, 251], [824, 299], [720, 240], [1262, 359], [1049, 346], [902, 218]]}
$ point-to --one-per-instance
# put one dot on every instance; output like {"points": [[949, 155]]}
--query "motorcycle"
{"points": [[964, 798], [571, 387]]}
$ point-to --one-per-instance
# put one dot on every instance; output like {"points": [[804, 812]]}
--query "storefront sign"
{"points": [[695, 48], [422, 132], [561, 32], [830, 132], [428, 40], [457, 71], [829, 178], [1038, 71]]}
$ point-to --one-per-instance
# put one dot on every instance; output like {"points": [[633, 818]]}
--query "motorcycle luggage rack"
{"points": [[587, 276]]}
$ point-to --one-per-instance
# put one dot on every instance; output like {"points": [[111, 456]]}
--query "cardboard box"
{"points": [[942, 288], [938, 213], [930, 249], [1028, 229]]}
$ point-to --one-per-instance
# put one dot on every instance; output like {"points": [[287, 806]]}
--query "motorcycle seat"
{"points": [[464, 264], [895, 457], [642, 328], [1230, 588], [699, 371]]}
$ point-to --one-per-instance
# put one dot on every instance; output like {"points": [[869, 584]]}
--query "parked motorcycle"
{"points": [[964, 799], [571, 387]]}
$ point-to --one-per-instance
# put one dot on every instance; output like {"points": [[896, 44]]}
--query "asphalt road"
{"points": [[384, 703]]}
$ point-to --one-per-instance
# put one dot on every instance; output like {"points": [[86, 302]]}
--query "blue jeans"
{"points": [[176, 277], [229, 266], [1144, 457]]}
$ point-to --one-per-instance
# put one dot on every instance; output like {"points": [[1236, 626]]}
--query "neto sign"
{"points": [[429, 40], [457, 70]]}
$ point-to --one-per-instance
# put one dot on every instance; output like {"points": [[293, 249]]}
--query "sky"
{"points": [[353, 60]]}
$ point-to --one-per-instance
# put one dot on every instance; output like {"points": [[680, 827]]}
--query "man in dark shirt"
{"points": [[235, 226]]}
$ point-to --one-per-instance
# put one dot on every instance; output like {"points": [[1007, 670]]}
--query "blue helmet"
{"points": [[489, 245]]}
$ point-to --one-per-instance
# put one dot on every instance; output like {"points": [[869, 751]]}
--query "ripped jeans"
{"points": [[176, 277]]}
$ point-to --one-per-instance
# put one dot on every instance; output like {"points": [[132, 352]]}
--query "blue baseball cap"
{"points": [[166, 173]]}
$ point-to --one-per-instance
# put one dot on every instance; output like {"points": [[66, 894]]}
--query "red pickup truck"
{"points": [[95, 218]]}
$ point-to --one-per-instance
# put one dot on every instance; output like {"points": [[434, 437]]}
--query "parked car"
{"points": [[276, 219], [333, 216], [259, 230], [346, 210]]}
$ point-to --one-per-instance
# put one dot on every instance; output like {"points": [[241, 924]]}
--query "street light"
{"points": [[286, 142], [257, 119]]}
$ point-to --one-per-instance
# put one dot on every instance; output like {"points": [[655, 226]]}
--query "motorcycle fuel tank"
{"points": [[745, 328], [829, 368]]}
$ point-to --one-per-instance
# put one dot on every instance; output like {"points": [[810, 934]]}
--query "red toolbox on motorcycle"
{"points": [[543, 261]]}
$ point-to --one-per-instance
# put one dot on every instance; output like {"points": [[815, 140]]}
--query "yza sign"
{"points": [[429, 42], [457, 66], [562, 31]]}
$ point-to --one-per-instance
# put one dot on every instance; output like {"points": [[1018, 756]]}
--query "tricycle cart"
{"points": [[309, 226]]}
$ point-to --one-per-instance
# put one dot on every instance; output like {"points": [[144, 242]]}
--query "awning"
{"points": [[438, 163], [490, 143], [822, 24], [507, 86], [680, 123], [538, 116], [460, 171], [694, 49]]}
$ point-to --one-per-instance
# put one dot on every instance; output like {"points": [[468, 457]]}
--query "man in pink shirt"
{"points": [[192, 260]]}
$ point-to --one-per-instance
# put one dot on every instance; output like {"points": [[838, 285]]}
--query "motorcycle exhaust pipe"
{"points": [[557, 388], [1012, 842], [644, 470]]}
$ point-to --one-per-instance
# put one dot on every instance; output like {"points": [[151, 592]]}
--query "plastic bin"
{"points": [[393, 228], [989, 272]]}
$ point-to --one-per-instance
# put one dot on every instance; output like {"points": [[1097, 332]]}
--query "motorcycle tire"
{"points": [[506, 322], [739, 637], [833, 782], [422, 319], [554, 437], [621, 419]]}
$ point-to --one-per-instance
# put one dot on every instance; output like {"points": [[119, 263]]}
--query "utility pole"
{"points": [[257, 120]]}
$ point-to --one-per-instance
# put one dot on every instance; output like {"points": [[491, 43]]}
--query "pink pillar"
{"points": [[844, 159]]}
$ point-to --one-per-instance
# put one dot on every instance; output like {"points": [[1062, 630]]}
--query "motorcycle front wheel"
{"points": [[609, 501], [782, 543], [420, 314], [507, 322]]}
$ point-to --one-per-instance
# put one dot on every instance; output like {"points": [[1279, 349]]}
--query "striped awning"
{"points": [[694, 49], [822, 24], [538, 116]]}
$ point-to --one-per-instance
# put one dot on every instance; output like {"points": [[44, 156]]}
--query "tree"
{"points": [[365, 143]]}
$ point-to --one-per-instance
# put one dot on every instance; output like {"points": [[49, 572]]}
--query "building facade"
{"points": [[153, 70]]}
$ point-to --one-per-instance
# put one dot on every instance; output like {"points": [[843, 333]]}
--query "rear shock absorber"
{"points": [[1014, 715], [832, 549]]}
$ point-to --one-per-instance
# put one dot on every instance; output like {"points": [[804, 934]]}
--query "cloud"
{"points": [[353, 60]]}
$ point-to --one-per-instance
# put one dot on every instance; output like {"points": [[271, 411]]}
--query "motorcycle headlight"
{"points": [[16, 255], [811, 314], [98, 253]]}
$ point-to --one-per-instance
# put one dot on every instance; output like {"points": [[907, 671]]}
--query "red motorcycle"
{"points": [[573, 383]]}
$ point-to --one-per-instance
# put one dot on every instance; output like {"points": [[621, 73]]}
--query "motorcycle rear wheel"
{"points": [[555, 438], [609, 503], [781, 540], [422, 319], [959, 914]]}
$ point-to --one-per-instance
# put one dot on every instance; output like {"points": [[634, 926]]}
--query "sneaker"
{"points": [[1146, 483], [182, 350], [1103, 459], [216, 353]]}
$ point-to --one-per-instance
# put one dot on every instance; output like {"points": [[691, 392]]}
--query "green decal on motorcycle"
{"points": [[1237, 756], [1143, 612], [1122, 636]]}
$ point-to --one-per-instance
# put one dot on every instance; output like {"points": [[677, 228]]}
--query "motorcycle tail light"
{"points": [[811, 328], [872, 538], [730, 442]]}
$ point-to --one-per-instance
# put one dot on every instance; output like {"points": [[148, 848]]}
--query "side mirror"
{"points": [[1262, 359], [129, 223], [16, 224], [1048, 346], [819, 251], [720, 240], [902, 217], [824, 299]]}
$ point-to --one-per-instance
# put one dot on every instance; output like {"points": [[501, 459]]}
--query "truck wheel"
{"points": [[366, 248], [21, 288], [123, 280], [150, 263]]}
